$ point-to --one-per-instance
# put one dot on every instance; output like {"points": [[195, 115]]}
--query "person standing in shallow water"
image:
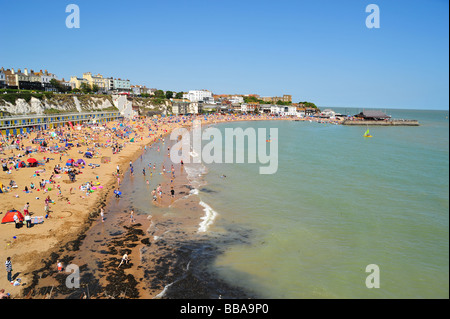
{"points": [[124, 259], [132, 220]]}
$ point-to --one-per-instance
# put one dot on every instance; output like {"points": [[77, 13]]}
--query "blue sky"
{"points": [[319, 51]]}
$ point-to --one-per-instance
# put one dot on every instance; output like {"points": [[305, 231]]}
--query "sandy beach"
{"points": [[74, 218]]}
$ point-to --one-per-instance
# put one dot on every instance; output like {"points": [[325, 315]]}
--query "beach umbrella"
{"points": [[32, 160]]}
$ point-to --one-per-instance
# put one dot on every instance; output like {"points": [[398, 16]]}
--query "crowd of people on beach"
{"points": [[54, 168]]}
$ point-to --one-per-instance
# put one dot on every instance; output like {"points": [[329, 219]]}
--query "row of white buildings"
{"points": [[184, 106], [204, 96], [207, 97]]}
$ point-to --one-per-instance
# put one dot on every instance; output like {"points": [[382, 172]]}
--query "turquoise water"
{"points": [[337, 203]]}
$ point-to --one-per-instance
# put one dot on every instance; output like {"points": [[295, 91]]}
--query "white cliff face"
{"points": [[95, 103], [36, 106], [125, 107], [58, 102], [77, 104], [82, 103], [22, 107]]}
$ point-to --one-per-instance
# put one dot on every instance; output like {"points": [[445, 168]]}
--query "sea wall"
{"points": [[382, 123]]}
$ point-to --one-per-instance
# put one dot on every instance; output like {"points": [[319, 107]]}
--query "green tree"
{"points": [[169, 94], [248, 99], [56, 84], [160, 94], [95, 88], [85, 88], [179, 95], [309, 104]]}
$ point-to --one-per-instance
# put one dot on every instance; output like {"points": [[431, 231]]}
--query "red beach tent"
{"points": [[9, 217]]}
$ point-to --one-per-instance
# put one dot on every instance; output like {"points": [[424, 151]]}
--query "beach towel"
{"points": [[37, 219]]}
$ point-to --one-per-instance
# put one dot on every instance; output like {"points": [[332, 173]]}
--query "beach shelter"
{"points": [[9, 217], [81, 161], [1, 188], [70, 162], [88, 154]]}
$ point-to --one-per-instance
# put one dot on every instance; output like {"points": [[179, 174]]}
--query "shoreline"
{"points": [[74, 239], [68, 238]]}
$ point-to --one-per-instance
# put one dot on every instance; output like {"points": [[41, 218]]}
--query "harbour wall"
{"points": [[383, 123]]}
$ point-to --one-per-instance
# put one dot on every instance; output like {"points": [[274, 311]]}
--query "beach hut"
{"points": [[9, 217]]}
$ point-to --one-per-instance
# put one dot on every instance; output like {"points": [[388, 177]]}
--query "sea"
{"points": [[343, 216]]}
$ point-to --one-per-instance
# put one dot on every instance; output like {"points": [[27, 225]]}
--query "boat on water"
{"points": [[367, 134]]}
